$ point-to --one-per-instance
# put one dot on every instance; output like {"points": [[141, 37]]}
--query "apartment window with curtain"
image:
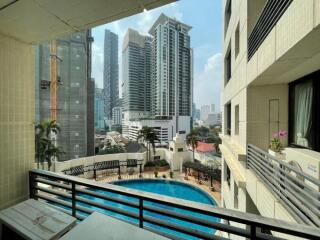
{"points": [[304, 114]]}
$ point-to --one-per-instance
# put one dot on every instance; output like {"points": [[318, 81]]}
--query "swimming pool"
{"points": [[164, 187]]}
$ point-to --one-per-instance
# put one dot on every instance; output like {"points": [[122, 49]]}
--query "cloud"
{"points": [[207, 84]]}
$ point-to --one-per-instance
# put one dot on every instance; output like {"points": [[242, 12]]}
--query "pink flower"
{"points": [[283, 133]]}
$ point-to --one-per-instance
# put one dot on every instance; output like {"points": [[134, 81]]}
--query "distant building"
{"points": [[171, 87], [110, 72], [205, 110], [213, 119], [99, 109], [116, 116], [212, 108], [136, 67], [75, 113]]}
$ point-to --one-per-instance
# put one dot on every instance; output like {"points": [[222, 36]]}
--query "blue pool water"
{"points": [[163, 187]]}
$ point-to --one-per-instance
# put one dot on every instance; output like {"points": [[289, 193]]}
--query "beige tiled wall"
{"points": [[16, 119]]}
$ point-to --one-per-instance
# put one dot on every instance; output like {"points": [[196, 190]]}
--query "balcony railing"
{"points": [[269, 17], [299, 192], [69, 193]]}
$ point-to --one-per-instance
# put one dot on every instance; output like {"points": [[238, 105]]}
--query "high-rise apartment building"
{"points": [[99, 109], [271, 87], [116, 116], [136, 67], [205, 110], [74, 92], [110, 72], [171, 68]]}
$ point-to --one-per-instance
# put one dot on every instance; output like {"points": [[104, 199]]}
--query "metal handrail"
{"points": [[270, 15], [299, 195], [68, 191]]}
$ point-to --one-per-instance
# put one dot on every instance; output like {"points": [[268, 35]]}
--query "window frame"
{"points": [[315, 78]]}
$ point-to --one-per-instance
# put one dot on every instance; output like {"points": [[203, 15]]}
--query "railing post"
{"points": [[253, 232], [32, 190], [73, 194], [140, 212]]}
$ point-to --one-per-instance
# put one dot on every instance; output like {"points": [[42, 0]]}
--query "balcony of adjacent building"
{"points": [[24, 23], [282, 40]]}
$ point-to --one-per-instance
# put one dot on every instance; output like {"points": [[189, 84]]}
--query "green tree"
{"points": [[108, 148], [192, 139], [149, 135], [46, 150]]}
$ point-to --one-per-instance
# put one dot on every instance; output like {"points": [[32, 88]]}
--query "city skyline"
{"points": [[207, 50]]}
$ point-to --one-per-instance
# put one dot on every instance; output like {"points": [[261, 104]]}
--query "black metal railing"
{"points": [[299, 192], [67, 193], [271, 13]]}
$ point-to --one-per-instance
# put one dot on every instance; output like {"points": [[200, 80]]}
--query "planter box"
{"points": [[160, 169], [278, 155]]}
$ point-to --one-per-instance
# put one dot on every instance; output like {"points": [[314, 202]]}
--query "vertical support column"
{"points": [[140, 171], [32, 184], [253, 232], [119, 172], [73, 194], [140, 212]]}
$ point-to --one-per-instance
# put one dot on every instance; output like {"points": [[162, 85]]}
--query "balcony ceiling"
{"points": [[34, 21]]}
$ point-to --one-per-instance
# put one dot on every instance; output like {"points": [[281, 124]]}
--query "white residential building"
{"points": [[205, 110], [271, 83], [171, 87], [213, 119]]}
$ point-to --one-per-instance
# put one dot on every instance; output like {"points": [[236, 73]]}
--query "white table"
{"points": [[98, 226], [36, 220]]}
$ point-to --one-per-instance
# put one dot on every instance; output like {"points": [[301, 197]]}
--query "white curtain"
{"points": [[303, 112]]}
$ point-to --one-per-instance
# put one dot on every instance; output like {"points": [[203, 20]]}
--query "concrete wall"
{"points": [[16, 119]]}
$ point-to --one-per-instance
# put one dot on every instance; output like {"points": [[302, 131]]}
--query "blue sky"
{"points": [[205, 17]]}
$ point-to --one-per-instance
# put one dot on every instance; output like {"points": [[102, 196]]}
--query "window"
{"points": [[304, 115], [237, 42], [227, 15], [236, 120], [228, 175], [228, 67], [228, 119], [156, 158], [180, 149]]}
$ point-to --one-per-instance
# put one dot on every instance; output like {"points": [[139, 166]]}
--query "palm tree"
{"points": [[192, 139], [45, 148], [148, 135]]}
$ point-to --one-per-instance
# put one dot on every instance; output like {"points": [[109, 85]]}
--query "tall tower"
{"points": [[171, 67], [136, 61], [110, 72]]}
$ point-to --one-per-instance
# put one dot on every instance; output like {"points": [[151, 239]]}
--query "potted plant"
{"points": [[156, 172], [164, 176], [276, 146], [171, 174]]}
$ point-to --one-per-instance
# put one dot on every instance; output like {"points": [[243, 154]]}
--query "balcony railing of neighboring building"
{"points": [[297, 191], [68, 194], [271, 13]]}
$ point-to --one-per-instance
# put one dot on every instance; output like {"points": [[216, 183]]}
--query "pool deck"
{"points": [[176, 176]]}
